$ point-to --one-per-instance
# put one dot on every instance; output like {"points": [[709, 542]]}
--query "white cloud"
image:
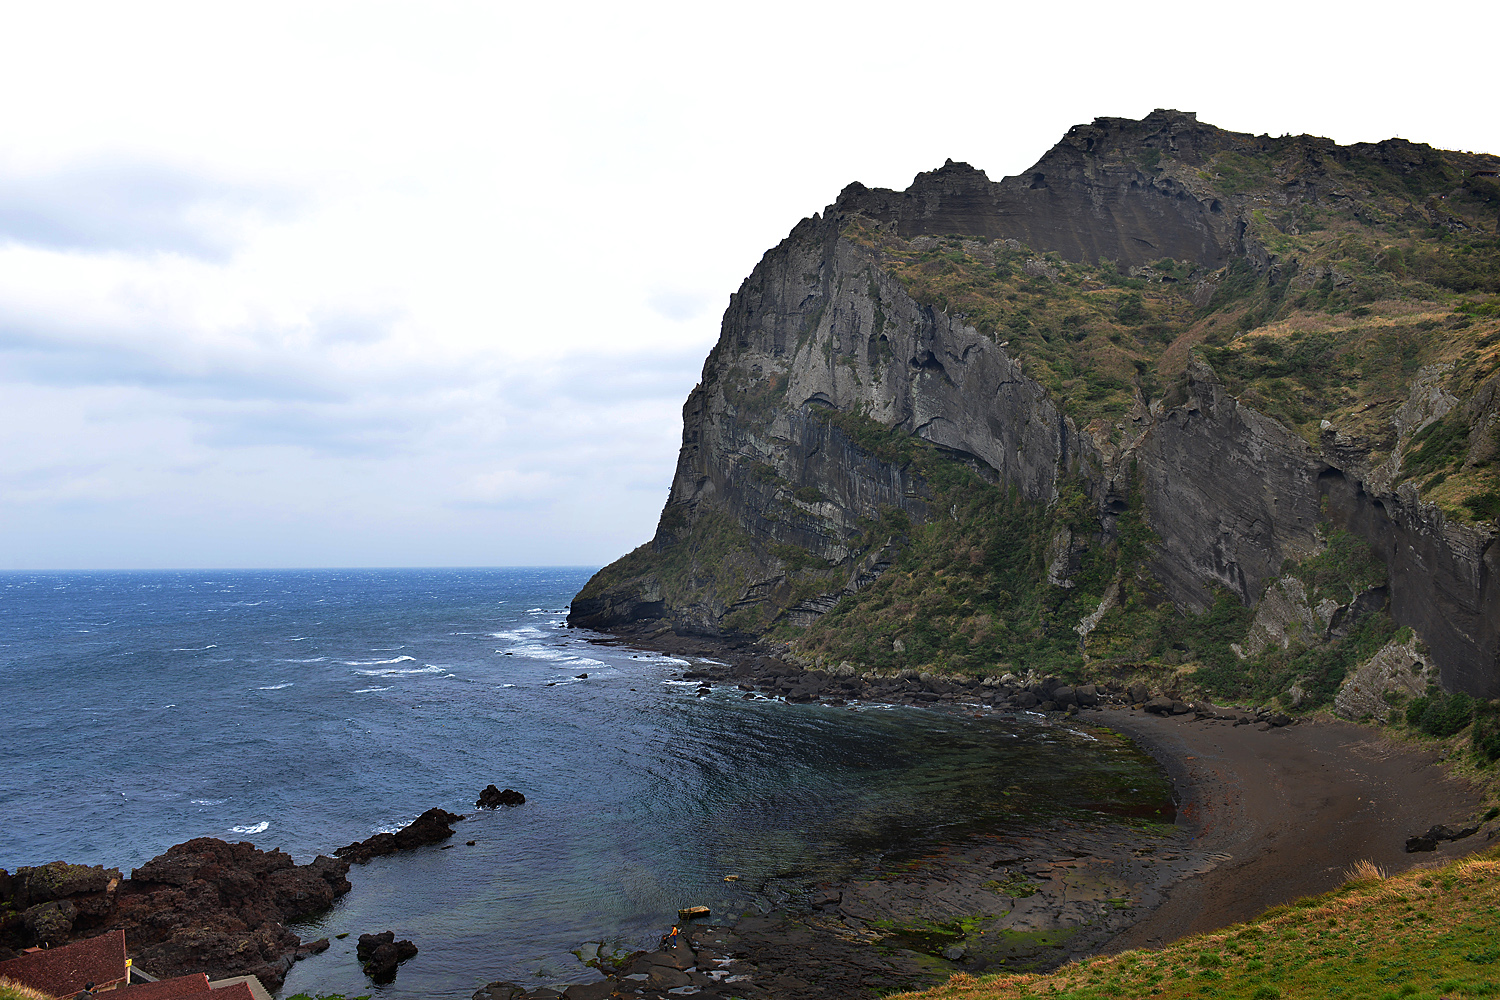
{"points": [[376, 284]]}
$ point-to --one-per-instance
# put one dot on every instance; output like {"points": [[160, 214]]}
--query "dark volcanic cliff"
{"points": [[1165, 373]]}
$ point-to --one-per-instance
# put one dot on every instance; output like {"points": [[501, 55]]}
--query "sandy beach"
{"points": [[1291, 808]]}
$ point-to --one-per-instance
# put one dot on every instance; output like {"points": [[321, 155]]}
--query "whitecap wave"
{"points": [[521, 634], [194, 649], [260, 827], [208, 802], [276, 687], [315, 659], [540, 653], [376, 663], [400, 672], [370, 690]]}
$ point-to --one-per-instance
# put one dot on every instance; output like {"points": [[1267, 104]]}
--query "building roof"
{"points": [[256, 989], [68, 968], [163, 989], [234, 991]]}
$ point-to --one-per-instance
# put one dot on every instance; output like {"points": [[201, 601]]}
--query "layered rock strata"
{"points": [[770, 512]]}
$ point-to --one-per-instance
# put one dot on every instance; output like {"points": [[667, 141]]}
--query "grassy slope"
{"points": [[1424, 934]]}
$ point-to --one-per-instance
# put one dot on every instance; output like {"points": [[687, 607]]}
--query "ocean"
{"points": [[308, 709]]}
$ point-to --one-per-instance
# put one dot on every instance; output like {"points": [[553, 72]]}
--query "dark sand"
{"points": [[1289, 810]]}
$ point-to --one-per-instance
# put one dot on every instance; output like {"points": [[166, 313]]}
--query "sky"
{"points": [[426, 284]]}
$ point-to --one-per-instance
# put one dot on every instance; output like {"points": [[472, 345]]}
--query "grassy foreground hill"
{"points": [[1426, 934]]}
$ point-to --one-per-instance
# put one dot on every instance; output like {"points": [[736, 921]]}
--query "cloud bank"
{"points": [[351, 285]]}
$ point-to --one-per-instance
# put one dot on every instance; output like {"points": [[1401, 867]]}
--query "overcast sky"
{"points": [[426, 284]]}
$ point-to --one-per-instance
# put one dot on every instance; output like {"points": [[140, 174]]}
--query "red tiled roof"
{"points": [[68, 968], [234, 991], [163, 989]]}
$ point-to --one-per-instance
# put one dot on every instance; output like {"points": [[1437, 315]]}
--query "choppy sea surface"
{"points": [[308, 709]]}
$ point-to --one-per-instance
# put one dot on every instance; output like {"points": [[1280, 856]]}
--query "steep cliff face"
{"points": [[1087, 410]]}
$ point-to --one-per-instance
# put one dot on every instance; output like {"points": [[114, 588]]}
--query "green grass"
{"points": [[1423, 934]]}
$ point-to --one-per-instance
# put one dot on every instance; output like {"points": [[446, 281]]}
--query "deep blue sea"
{"points": [[308, 709]]}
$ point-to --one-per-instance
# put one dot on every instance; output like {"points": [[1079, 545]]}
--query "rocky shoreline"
{"points": [[1001, 901], [997, 902], [204, 906], [211, 906], [1033, 902]]}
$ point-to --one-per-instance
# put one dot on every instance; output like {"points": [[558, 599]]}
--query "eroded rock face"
{"points": [[1398, 668], [769, 471]]}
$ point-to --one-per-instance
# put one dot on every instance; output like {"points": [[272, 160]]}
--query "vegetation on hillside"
{"points": [[12, 990], [970, 593], [1425, 934]]}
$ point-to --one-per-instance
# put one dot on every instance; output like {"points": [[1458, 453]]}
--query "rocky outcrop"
{"points": [[432, 826], [379, 954], [493, 798], [203, 906], [1399, 669], [791, 456]]}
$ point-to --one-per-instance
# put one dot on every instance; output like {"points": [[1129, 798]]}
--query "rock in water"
{"points": [[493, 797], [429, 828], [379, 954]]}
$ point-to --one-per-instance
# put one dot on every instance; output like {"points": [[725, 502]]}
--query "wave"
{"points": [[209, 802], [276, 687], [521, 634], [371, 690], [396, 672], [260, 827], [194, 649], [375, 663], [315, 659]]}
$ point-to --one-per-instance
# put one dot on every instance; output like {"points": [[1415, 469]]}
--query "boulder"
{"points": [[51, 923], [1086, 695], [1064, 695], [499, 991], [1139, 694], [1428, 841], [379, 954], [1160, 705], [492, 798]]}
